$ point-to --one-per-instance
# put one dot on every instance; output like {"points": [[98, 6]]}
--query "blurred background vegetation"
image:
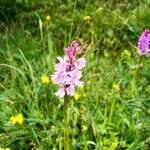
{"points": [[113, 112], [113, 21]]}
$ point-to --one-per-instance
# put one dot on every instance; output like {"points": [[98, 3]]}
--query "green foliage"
{"points": [[113, 111]]}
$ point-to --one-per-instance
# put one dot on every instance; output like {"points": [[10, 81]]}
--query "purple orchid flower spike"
{"points": [[68, 71], [144, 42]]}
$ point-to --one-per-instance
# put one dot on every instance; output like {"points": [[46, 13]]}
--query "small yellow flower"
{"points": [[116, 87], [77, 96], [7, 148], [87, 18], [45, 79], [48, 17], [13, 120], [18, 118]]}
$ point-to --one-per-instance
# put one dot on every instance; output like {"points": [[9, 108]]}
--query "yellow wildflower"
{"points": [[116, 87], [48, 17], [87, 18], [45, 79], [77, 96], [18, 118], [13, 120], [7, 149]]}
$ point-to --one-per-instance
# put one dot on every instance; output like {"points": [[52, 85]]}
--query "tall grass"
{"points": [[104, 118]]}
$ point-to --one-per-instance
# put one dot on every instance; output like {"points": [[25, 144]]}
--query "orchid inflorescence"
{"points": [[68, 71], [144, 42]]}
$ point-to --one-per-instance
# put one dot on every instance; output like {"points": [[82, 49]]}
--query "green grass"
{"points": [[103, 118]]}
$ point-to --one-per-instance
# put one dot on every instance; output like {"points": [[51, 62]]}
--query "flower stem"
{"points": [[138, 67], [66, 133]]}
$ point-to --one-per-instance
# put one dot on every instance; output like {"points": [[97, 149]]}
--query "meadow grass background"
{"points": [[113, 112]]}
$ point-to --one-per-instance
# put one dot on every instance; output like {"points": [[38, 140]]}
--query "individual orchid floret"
{"points": [[144, 42], [68, 71]]}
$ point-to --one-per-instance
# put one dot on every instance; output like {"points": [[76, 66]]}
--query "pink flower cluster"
{"points": [[68, 71], [144, 42]]}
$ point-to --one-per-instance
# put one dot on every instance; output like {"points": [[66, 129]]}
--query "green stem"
{"points": [[138, 67], [66, 133], [113, 101]]}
